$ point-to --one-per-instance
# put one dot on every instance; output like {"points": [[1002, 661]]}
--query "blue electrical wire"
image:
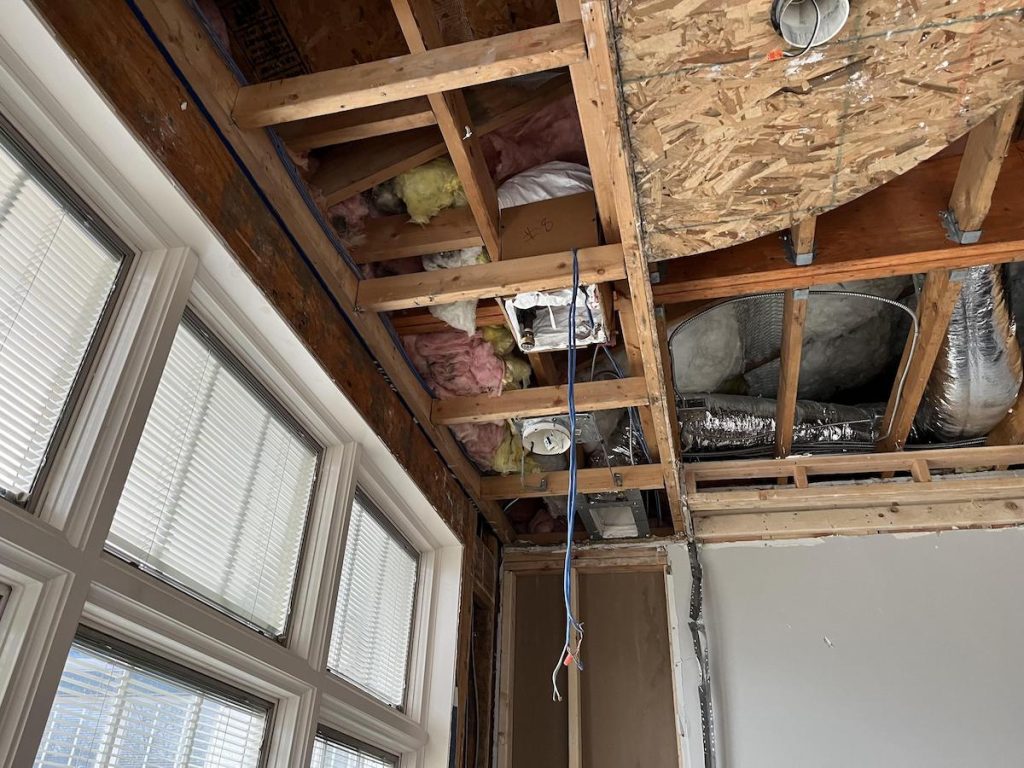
{"points": [[570, 620]]}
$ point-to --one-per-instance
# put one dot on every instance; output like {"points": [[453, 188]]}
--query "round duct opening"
{"points": [[796, 20]]}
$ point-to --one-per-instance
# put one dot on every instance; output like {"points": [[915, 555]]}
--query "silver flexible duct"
{"points": [[977, 373], [709, 423]]}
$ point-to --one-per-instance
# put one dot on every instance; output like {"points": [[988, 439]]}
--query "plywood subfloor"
{"points": [[729, 146]]}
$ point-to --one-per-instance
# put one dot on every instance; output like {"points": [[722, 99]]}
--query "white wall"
{"points": [[864, 651]]}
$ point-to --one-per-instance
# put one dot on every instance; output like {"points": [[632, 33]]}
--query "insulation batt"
{"points": [[551, 133], [709, 423], [430, 188], [977, 373], [459, 314]]}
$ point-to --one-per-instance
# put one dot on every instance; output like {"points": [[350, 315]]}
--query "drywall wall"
{"points": [[876, 650]]}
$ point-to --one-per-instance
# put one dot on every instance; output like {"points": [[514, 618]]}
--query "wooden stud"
{"points": [[405, 77], [422, 33], [597, 25], [854, 464], [545, 371], [358, 124], [410, 322], [395, 237], [794, 314], [934, 309], [825, 496], [987, 146], [540, 401], [486, 281], [595, 137], [860, 521], [803, 235], [631, 342], [642, 477], [506, 671]]}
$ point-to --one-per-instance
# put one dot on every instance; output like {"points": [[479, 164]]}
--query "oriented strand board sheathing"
{"points": [[728, 146]]}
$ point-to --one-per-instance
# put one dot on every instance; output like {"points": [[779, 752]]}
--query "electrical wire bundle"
{"points": [[570, 654]]}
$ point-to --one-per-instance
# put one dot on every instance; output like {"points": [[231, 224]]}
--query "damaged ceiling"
{"points": [[729, 144]]}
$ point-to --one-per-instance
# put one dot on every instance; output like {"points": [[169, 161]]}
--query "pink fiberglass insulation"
{"points": [[453, 363], [551, 133], [481, 441]]}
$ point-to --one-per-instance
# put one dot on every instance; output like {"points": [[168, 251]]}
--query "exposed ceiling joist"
{"points": [[348, 170], [357, 124], [934, 310], [979, 168], [541, 401], [395, 237], [421, 321], [486, 281], [406, 77], [794, 313], [416, 18], [600, 480]]}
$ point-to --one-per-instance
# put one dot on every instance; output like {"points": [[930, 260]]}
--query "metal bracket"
{"points": [[794, 258], [958, 275], [953, 231], [801, 293]]}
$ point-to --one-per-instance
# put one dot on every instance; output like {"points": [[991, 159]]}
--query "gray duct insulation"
{"points": [[977, 373], [709, 423]]}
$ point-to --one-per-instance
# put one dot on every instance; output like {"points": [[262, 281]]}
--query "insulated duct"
{"points": [[977, 373], [715, 423]]}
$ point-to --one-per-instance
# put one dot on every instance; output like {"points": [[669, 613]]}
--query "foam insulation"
{"points": [[729, 145], [430, 188]]}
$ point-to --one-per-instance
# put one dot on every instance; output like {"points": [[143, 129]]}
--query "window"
{"points": [[217, 497], [58, 272], [332, 750], [373, 618], [116, 705], [5, 596]]}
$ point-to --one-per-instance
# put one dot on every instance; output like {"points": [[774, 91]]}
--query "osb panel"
{"points": [[729, 146]]}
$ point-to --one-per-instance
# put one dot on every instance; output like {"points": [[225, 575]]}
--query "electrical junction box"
{"points": [[540, 319]]}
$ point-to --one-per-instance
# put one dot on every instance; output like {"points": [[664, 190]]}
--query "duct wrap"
{"points": [[710, 423], [977, 373]]}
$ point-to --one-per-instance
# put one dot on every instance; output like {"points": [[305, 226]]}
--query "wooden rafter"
{"points": [[422, 33], [802, 234], [174, 23], [485, 281], [541, 401], [934, 310], [600, 46], [850, 246], [794, 313], [405, 77], [987, 147], [357, 124], [347, 170], [597, 480]]}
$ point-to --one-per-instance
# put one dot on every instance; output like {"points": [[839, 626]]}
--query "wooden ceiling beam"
{"points": [[487, 281], [349, 169], [642, 477], [422, 33], [405, 77], [175, 25], [600, 48], [794, 314], [934, 310], [892, 230], [540, 401], [395, 237], [343, 127], [987, 146], [421, 321]]}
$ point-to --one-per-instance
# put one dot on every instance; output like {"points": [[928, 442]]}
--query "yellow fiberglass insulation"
{"points": [[508, 459], [430, 188]]}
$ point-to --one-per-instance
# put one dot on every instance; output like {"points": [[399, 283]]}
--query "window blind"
{"points": [[217, 496], [373, 617], [113, 711], [55, 281], [331, 750]]}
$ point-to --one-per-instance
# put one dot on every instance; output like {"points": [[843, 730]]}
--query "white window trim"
{"points": [[181, 260]]}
